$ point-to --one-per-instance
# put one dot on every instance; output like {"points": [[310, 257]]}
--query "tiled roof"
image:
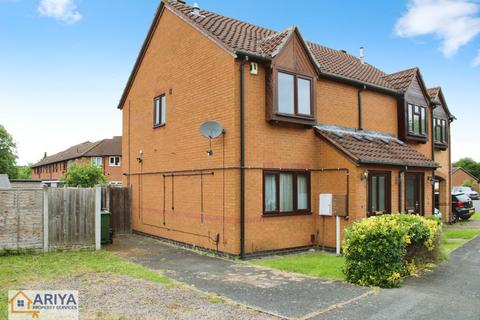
{"points": [[371, 147], [105, 147], [235, 35], [433, 94], [239, 37], [401, 80]]}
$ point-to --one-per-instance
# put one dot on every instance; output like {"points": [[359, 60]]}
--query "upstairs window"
{"points": [[159, 111], [286, 192], [417, 120], [114, 161], [97, 161], [294, 94], [440, 131]]}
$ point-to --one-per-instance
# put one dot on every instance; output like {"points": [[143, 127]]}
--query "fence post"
{"points": [[45, 219], [98, 202]]}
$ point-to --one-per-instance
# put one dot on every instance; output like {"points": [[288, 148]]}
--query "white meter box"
{"points": [[325, 204]]}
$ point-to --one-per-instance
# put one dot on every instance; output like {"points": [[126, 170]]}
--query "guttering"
{"points": [[242, 157], [253, 56]]}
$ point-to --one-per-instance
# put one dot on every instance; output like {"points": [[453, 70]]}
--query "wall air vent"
{"points": [[254, 68]]}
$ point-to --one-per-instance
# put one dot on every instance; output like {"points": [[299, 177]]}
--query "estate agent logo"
{"points": [[43, 305]]}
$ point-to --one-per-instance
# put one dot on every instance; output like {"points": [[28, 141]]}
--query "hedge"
{"points": [[380, 250]]}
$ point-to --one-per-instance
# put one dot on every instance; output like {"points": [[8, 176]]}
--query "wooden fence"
{"points": [[49, 219], [21, 219], [71, 218], [117, 201]]}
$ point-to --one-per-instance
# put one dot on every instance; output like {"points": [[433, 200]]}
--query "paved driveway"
{"points": [[452, 291], [278, 293]]}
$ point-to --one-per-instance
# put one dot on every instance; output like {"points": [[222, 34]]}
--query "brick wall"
{"points": [[201, 82]]}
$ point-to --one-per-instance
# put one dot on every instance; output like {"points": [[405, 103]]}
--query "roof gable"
{"points": [[294, 54], [437, 97], [242, 38], [455, 170], [410, 83]]}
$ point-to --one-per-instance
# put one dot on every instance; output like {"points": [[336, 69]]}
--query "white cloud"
{"points": [[476, 61], [454, 22], [63, 10]]}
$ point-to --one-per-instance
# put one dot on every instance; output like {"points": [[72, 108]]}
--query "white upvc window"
{"points": [[97, 161], [114, 161]]}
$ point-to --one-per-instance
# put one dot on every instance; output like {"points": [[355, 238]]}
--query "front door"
{"points": [[379, 195], [414, 193]]}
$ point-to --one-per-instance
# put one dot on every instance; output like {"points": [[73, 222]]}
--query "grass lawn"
{"points": [[314, 264], [455, 238], [476, 216], [330, 266], [16, 272]]}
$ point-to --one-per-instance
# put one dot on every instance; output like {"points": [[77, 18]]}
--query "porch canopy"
{"points": [[372, 147]]}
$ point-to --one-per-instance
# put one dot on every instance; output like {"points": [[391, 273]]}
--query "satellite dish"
{"points": [[211, 129]]}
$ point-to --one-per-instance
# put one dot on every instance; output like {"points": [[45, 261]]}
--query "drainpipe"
{"points": [[433, 159], [449, 185], [242, 157], [360, 92]]}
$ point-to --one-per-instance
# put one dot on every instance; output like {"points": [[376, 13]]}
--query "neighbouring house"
{"points": [[461, 175], [106, 153], [304, 129]]}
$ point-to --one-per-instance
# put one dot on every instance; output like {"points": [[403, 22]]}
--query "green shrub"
{"points": [[380, 250], [85, 175]]}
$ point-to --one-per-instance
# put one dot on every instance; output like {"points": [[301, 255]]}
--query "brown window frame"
{"points": [[162, 122], [420, 193], [295, 211], [388, 191], [442, 124], [423, 121], [296, 76]]}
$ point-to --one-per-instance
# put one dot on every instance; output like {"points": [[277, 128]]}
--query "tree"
{"points": [[468, 183], [85, 175], [8, 154], [24, 172], [470, 165]]}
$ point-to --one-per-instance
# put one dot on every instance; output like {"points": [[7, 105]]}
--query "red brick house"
{"points": [[308, 131], [106, 153], [462, 175]]}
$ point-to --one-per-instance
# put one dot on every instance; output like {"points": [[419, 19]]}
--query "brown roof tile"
{"points": [[237, 35], [401, 80], [370, 147], [433, 93], [105, 147]]}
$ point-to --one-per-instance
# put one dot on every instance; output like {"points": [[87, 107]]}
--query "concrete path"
{"points": [[452, 291], [278, 293]]}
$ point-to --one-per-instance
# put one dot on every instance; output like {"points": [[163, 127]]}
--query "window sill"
{"points": [[293, 119], [416, 137], [286, 214], [441, 146], [159, 126]]}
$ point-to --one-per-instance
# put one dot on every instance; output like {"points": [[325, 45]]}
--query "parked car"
{"points": [[462, 207], [468, 191]]}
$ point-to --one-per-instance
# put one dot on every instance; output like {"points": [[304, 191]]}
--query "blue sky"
{"points": [[64, 63]]}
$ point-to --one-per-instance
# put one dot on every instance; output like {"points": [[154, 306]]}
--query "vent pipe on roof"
{"points": [[196, 9], [362, 55]]}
